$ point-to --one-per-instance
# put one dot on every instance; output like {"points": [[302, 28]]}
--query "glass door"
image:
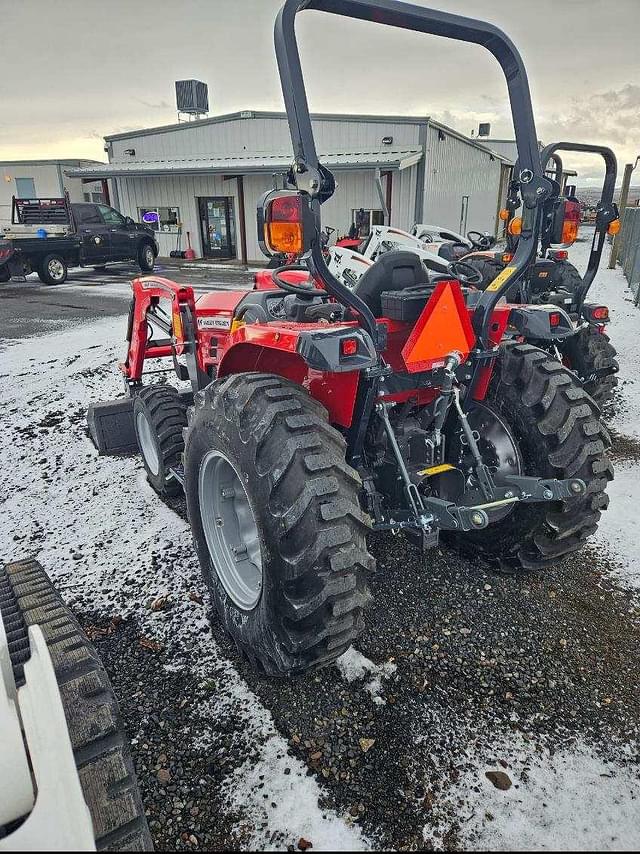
{"points": [[217, 224]]}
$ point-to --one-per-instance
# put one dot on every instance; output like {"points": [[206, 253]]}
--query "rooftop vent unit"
{"points": [[192, 98]]}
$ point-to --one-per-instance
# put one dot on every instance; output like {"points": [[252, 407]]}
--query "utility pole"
{"points": [[624, 198]]}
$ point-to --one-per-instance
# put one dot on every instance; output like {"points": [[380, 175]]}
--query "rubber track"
{"points": [[314, 511], [100, 746]]}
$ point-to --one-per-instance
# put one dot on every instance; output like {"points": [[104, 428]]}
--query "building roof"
{"points": [[265, 114], [390, 158], [73, 161]]}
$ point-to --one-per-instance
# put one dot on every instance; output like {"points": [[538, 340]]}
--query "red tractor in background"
{"points": [[318, 413], [552, 279]]}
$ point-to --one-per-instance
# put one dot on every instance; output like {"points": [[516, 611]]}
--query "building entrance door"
{"points": [[218, 227]]}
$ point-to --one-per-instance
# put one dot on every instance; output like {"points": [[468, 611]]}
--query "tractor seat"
{"points": [[452, 251], [393, 271]]}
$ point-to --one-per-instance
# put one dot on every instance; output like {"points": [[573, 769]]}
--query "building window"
{"points": [[363, 221], [161, 219], [25, 188], [96, 198]]}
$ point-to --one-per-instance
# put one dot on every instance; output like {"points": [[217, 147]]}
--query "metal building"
{"points": [[205, 177]]}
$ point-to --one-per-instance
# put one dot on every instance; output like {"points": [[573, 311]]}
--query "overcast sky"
{"points": [[72, 71]]}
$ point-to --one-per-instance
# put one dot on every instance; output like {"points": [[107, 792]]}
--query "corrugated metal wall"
{"points": [[260, 136], [454, 169], [356, 189]]}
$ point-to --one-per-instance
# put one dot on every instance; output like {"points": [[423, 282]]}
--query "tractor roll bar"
{"points": [[312, 178], [607, 211]]}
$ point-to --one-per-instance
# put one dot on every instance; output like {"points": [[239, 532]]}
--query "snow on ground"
{"points": [[570, 801], [617, 533], [355, 667], [113, 547]]}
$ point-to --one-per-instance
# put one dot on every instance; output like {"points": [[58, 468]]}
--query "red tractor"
{"points": [[320, 413]]}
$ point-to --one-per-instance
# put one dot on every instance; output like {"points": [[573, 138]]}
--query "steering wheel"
{"points": [[304, 290], [483, 241], [465, 273]]}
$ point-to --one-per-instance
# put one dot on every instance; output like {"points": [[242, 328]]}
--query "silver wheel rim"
{"points": [[56, 269], [230, 530], [148, 256], [147, 444]]}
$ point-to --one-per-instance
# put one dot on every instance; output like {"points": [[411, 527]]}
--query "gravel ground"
{"points": [[460, 672]]}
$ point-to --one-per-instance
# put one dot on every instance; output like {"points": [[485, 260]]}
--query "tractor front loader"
{"points": [[320, 413]]}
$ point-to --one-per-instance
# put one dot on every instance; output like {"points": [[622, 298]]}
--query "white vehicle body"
{"points": [[39, 781], [348, 266], [429, 233]]}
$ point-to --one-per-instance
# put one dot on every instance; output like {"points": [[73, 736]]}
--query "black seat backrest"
{"points": [[393, 271]]}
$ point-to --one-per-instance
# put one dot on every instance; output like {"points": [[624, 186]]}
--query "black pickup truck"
{"points": [[47, 236]]}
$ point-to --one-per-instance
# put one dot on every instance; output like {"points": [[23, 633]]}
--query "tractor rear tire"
{"points": [[589, 353], [567, 277], [160, 416], [308, 540], [100, 746], [556, 425]]}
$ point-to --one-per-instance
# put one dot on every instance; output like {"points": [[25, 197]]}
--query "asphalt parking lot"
{"points": [[478, 711]]}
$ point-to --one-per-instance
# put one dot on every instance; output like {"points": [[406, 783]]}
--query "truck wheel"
{"points": [[276, 522], [100, 745], [53, 270], [556, 430], [160, 417], [593, 358], [146, 258]]}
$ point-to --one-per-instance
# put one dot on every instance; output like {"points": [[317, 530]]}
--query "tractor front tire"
{"points": [[266, 479], [159, 417], [567, 277], [592, 356], [559, 435]]}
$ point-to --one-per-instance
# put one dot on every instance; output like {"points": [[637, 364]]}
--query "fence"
{"points": [[629, 255]]}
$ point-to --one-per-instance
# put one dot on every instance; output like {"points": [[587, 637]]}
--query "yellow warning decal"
{"points": [[499, 281], [436, 470]]}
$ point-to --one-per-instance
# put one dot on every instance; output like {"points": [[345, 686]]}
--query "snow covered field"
{"points": [[112, 547]]}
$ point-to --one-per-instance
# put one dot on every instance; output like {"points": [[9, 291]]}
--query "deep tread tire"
{"points": [[567, 277], [43, 272], [559, 433], [304, 498], [100, 746], [167, 416], [145, 265], [589, 354]]}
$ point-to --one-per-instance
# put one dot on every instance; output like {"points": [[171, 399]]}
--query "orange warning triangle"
{"points": [[443, 327]]}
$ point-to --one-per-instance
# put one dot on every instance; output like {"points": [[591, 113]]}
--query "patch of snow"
{"points": [[112, 547], [611, 288], [617, 534], [570, 801], [278, 792], [355, 667]]}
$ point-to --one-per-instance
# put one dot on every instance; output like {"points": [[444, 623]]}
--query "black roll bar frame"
{"points": [[310, 177]]}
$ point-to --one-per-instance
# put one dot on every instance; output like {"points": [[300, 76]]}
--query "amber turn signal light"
{"points": [[515, 226], [614, 227]]}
